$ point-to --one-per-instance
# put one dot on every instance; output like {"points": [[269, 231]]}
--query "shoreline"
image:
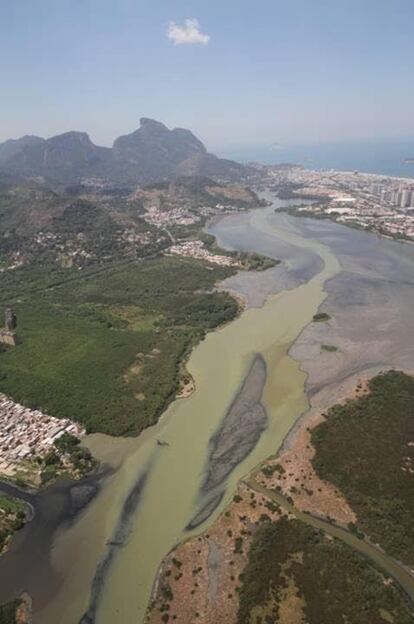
{"points": [[335, 393], [293, 212], [182, 391], [240, 298]]}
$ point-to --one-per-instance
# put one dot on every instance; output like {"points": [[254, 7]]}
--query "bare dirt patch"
{"points": [[292, 474], [291, 605], [199, 580], [24, 610]]}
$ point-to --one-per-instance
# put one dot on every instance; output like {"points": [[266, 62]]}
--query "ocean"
{"points": [[369, 156]]}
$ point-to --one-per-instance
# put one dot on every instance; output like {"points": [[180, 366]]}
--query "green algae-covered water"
{"points": [[122, 537]]}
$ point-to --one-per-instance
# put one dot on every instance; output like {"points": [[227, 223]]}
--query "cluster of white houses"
{"points": [[26, 434]]}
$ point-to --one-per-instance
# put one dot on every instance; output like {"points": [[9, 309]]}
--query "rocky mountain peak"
{"points": [[71, 139], [152, 153], [148, 124]]}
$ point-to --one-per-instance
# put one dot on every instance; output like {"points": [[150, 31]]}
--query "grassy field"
{"points": [[10, 505], [297, 574], [365, 447], [104, 347]]}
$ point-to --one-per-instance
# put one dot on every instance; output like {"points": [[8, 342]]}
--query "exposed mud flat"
{"points": [[237, 435], [293, 475], [371, 304], [298, 264]]}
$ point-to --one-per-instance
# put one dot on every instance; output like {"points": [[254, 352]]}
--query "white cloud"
{"points": [[189, 33]]}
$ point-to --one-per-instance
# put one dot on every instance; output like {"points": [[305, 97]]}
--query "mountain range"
{"points": [[149, 154]]}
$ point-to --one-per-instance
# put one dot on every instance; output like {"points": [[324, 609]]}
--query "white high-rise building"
{"points": [[405, 198]]}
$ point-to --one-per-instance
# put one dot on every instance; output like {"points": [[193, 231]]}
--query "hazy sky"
{"points": [[234, 71]]}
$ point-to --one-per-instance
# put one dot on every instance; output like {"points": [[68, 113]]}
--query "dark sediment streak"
{"points": [[206, 510], [26, 565], [236, 437], [118, 540]]}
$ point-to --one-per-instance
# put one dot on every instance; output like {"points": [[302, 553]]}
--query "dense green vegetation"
{"points": [[8, 612], [37, 226], [11, 506], [329, 348], [320, 317], [249, 260], [12, 517], [252, 261], [365, 447], [104, 345], [103, 335], [67, 456], [293, 190], [335, 585]]}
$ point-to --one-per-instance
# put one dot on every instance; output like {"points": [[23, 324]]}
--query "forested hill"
{"points": [[90, 224]]}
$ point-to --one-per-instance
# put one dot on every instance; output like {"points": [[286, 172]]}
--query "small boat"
{"points": [[162, 443]]}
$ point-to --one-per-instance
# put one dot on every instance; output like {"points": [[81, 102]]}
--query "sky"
{"points": [[236, 72]]}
